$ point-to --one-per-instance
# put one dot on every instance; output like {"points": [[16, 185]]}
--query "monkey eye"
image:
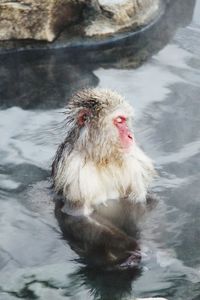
{"points": [[120, 119]]}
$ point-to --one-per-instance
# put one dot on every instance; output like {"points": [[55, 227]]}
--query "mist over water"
{"points": [[35, 262]]}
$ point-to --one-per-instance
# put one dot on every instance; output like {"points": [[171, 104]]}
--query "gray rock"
{"points": [[36, 19], [45, 19], [42, 75], [118, 15]]}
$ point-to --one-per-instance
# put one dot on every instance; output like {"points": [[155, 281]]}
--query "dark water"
{"points": [[35, 262]]}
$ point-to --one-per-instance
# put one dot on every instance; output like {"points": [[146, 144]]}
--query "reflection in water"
{"points": [[109, 238], [45, 79], [41, 81], [35, 262], [106, 285]]}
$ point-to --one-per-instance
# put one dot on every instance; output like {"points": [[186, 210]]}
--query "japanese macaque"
{"points": [[99, 159], [101, 177]]}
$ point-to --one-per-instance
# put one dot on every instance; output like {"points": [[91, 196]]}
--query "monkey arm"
{"points": [[97, 240]]}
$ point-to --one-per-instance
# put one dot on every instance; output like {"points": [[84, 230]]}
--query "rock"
{"points": [[36, 19], [147, 38], [44, 20], [118, 15], [44, 75]]}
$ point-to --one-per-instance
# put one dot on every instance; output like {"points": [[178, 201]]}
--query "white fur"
{"points": [[84, 181], [81, 176]]}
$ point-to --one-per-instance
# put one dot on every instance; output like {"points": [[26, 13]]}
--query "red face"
{"points": [[125, 135]]}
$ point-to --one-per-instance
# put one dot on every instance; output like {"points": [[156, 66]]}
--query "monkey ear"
{"points": [[84, 116]]}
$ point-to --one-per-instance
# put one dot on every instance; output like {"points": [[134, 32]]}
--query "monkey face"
{"points": [[125, 134], [103, 120]]}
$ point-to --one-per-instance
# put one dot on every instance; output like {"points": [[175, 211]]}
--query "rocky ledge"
{"points": [[45, 19], [118, 15]]}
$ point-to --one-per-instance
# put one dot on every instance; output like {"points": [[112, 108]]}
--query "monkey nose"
{"points": [[130, 136]]}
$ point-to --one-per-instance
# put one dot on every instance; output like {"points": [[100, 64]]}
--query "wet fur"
{"points": [[90, 166]]}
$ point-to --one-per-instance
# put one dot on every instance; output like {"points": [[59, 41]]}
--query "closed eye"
{"points": [[120, 119]]}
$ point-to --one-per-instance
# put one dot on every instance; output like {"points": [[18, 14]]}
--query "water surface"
{"points": [[35, 262]]}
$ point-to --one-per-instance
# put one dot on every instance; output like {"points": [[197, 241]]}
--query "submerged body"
{"points": [[99, 159]]}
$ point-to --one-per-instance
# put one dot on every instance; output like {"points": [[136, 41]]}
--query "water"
{"points": [[35, 262]]}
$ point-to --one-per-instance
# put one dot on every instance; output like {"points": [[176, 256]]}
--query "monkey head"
{"points": [[102, 120]]}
